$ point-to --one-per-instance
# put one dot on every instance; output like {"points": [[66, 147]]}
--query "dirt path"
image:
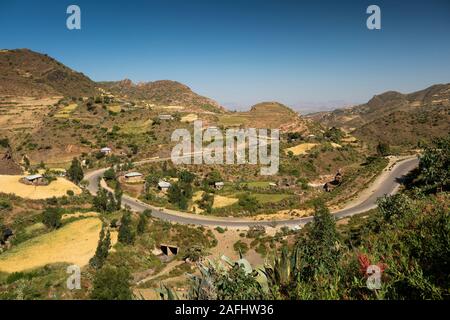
{"points": [[170, 266]]}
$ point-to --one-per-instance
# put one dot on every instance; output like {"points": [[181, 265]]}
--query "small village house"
{"points": [[106, 150], [164, 186], [219, 185], [34, 179], [133, 177], [165, 117]]}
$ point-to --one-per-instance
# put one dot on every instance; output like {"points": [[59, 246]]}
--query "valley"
{"points": [[87, 178]]}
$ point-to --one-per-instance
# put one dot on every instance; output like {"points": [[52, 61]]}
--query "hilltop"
{"points": [[163, 93], [267, 115], [399, 119], [28, 73]]}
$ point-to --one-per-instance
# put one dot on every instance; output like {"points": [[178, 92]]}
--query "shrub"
{"points": [[51, 218]]}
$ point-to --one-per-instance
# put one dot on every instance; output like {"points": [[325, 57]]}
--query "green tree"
{"points": [[100, 201], [248, 202], [111, 205], [186, 176], [75, 172], [318, 251], [213, 177], [51, 217], [110, 174], [101, 253], [126, 234], [112, 283], [118, 193], [435, 163], [142, 224], [383, 149]]}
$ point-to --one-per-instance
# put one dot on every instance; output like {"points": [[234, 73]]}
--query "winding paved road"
{"points": [[388, 185]]}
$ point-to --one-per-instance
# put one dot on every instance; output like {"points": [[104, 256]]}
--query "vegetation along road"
{"points": [[387, 184]]}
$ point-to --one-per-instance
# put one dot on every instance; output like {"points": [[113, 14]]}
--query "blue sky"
{"points": [[247, 51]]}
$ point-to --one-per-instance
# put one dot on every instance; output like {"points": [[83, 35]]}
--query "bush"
{"points": [[220, 229], [51, 218], [112, 283], [5, 204], [240, 247]]}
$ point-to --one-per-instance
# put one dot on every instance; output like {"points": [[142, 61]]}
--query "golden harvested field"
{"points": [[221, 201], [57, 188], [173, 107], [335, 145], [301, 148], [66, 111], [79, 214], [74, 243], [189, 117], [115, 108]]}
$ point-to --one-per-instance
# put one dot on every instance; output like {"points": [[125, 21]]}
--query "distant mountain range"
{"points": [[400, 119]]}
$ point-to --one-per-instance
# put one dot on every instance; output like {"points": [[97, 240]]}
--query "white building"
{"points": [[164, 185], [133, 176], [105, 150]]}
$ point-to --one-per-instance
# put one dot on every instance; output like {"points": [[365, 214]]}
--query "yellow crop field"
{"points": [[189, 117], [66, 111], [221, 201], [115, 108], [301, 148], [74, 243], [57, 188]]}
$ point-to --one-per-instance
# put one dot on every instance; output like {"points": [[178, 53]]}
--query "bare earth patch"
{"points": [[74, 243], [57, 188]]}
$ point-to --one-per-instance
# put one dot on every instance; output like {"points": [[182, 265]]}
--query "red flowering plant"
{"points": [[365, 263]]}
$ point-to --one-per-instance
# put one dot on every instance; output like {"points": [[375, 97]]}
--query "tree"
{"points": [[194, 253], [112, 283], [110, 174], [126, 234], [179, 194], [186, 176], [334, 134], [248, 202], [142, 224], [318, 251], [206, 202], [100, 201], [213, 177], [75, 172], [51, 218], [434, 164], [111, 205], [118, 195], [101, 253], [383, 149]]}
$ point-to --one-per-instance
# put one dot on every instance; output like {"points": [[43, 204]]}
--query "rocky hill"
{"points": [[27, 73], [400, 119], [163, 92]]}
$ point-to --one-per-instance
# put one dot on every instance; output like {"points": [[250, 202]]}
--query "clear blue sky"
{"points": [[247, 51]]}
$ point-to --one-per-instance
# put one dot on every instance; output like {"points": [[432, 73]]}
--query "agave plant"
{"points": [[281, 270], [166, 293]]}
